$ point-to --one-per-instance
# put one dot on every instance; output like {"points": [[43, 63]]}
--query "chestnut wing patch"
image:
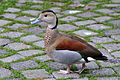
{"points": [[72, 45]]}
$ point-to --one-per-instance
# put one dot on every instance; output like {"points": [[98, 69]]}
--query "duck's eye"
{"points": [[45, 15]]}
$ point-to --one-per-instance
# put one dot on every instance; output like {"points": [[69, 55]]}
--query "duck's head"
{"points": [[49, 17]]}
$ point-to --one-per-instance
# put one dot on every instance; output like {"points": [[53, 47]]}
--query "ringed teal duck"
{"points": [[66, 48]]}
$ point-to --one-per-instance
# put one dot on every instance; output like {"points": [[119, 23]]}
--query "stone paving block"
{"points": [[117, 1], [17, 26], [108, 78], [67, 27], [9, 15], [77, 1], [111, 5], [43, 58], [12, 10], [58, 3], [88, 14], [24, 65], [12, 34], [116, 37], [80, 23], [71, 11], [115, 22], [24, 18], [38, 1], [35, 30], [93, 3], [59, 15], [36, 6], [116, 54], [85, 32], [32, 12], [56, 9], [14, 79], [55, 65], [115, 14], [117, 69], [30, 38], [23, 1], [69, 18], [104, 71], [107, 64], [111, 32], [39, 44], [101, 39], [116, 9], [112, 46], [30, 52], [94, 45], [4, 22], [5, 73], [2, 52], [12, 58], [106, 11], [50, 79], [62, 76], [102, 18], [20, 4], [2, 29], [76, 5], [85, 78], [105, 53], [17, 46], [4, 42], [89, 7], [90, 65], [37, 73], [98, 27]]}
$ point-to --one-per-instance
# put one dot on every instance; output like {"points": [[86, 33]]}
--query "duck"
{"points": [[66, 48]]}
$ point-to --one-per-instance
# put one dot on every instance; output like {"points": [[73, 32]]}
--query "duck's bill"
{"points": [[36, 21]]}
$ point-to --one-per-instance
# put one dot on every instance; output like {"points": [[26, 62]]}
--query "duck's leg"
{"points": [[66, 72], [81, 70]]}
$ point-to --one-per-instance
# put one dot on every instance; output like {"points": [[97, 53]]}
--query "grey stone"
{"points": [[103, 18], [2, 29], [84, 78], [101, 39], [90, 65], [108, 78], [77, 1], [80, 23], [76, 5], [115, 14], [115, 22], [30, 38], [4, 42], [43, 58], [12, 34], [85, 33], [2, 52], [89, 7], [59, 15], [116, 9], [106, 11], [32, 12], [69, 18], [24, 65], [55, 65], [38, 1], [5, 73], [56, 9], [62, 76], [9, 15], [36, 6], [39, 44], [58, 3], [14, 79], [105, 53], [117, 69], [50, 79], [116, 54], [4, 22], [98, 27], [20, 4], [94, 45], [104, 71], [17, 46], [107, 64], [112, 46], [111, 5], [37, 73], [116, 37], [30, 52], [110, 32], [12, 58], [117, 1], [93, 3], [71, 11], [35, 30], [12, 10], [17, 26], [23, 18], [67, 27], [87, 14]]}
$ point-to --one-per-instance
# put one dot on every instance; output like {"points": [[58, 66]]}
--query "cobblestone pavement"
{"points": [[22, 55]]}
